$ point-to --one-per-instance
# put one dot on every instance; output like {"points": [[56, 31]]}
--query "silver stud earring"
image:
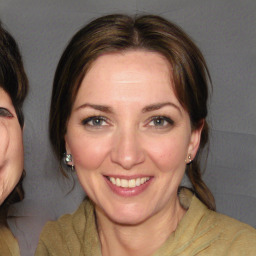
{"points": [[67, 160]]}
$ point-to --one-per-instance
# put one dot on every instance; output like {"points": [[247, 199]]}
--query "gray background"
{"points": [[224, 31]]}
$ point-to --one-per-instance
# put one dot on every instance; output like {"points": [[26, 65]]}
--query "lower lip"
{"points": [[128, 192]]}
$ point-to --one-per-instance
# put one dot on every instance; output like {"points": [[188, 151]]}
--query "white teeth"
{"points": [[113, 180], [124, 183], [132, 183], [128, 183]]}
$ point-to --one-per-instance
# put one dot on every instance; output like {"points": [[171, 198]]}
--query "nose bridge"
{"points": [[127, 150]]}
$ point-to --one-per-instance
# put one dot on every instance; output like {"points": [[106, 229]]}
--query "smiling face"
{"points": [[11, 147], [129, 136]]}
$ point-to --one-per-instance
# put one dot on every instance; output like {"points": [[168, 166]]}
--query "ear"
{"points": [[67, 145], [195, 141]]}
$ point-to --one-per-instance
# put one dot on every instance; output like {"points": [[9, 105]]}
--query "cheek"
{"points": [[5, 137], [11, 160], [168, 153], [19, 148], [11, 147], [15, 151], [88, 153]]}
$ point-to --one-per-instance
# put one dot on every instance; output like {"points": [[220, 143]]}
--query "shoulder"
{"points": [[66, 221], [8, 243], [63, 235], [231, 228], [230, 223], [230, 235], [213, 233], [210, 220]]}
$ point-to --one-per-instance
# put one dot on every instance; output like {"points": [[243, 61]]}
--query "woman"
{"points": [[13, 90], [129, 109]]}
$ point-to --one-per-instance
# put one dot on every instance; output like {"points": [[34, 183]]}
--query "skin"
{"points": [[11, 147], [127, 122]]}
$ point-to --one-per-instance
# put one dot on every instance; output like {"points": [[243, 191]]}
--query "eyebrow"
{"points": [[148, 108], [102, 108], [159, 106]]}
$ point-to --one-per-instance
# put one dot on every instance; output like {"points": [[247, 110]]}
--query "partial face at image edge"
{"points": [[11, 147]]}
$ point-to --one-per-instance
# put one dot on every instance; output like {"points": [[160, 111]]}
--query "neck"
{"points": [[119, 239]]}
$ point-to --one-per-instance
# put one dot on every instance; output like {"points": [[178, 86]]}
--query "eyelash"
{"points": [[5, 112], [101, 119], [94, 118], [169, 121]]}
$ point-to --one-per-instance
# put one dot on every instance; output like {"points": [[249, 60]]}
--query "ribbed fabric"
{"points": [[200, 232], [8, 244]]}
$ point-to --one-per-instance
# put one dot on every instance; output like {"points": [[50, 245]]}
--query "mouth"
{"points": [[127, 187], [128, 183]]}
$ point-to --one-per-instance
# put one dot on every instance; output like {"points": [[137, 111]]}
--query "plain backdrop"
{"points": [[224, 31]]}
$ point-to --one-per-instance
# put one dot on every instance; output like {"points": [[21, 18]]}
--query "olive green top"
{"points": [[200, 232], [8, 244]]}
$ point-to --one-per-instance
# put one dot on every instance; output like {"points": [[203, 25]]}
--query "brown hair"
{"points": [[116, 33], [15, 83]]}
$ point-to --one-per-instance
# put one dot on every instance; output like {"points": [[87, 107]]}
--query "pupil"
{"points": [[97, 121], [158, 121]]}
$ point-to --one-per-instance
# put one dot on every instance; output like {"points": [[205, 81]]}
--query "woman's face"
{"points": [[129, 136], [11, 147]]}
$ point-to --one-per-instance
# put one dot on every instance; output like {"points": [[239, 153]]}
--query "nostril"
{"points": [[127, 159]]}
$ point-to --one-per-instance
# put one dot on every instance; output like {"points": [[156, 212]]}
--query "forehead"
{"points": [[135, 62], [4, 97], [136, 73]]}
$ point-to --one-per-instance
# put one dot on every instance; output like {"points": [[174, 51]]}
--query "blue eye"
{"points": [[95, 121], [160, 121]]}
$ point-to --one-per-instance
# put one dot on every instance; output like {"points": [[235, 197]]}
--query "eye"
{"points": [[95, 121], [5, 112], [160, 121]]}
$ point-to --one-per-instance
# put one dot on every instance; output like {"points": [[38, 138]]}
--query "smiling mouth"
{"points": [[128, 183]]}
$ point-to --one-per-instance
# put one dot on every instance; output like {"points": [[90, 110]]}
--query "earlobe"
{"points": [[68, 159], [68, 155]]}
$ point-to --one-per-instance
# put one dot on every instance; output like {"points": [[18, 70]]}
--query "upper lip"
{"points": [[128, 177]]}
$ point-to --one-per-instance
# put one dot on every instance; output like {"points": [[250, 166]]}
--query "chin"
{"points": [[128, 215]]}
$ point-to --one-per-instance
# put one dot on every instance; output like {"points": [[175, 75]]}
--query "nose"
{"points": [[126, 150]]}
